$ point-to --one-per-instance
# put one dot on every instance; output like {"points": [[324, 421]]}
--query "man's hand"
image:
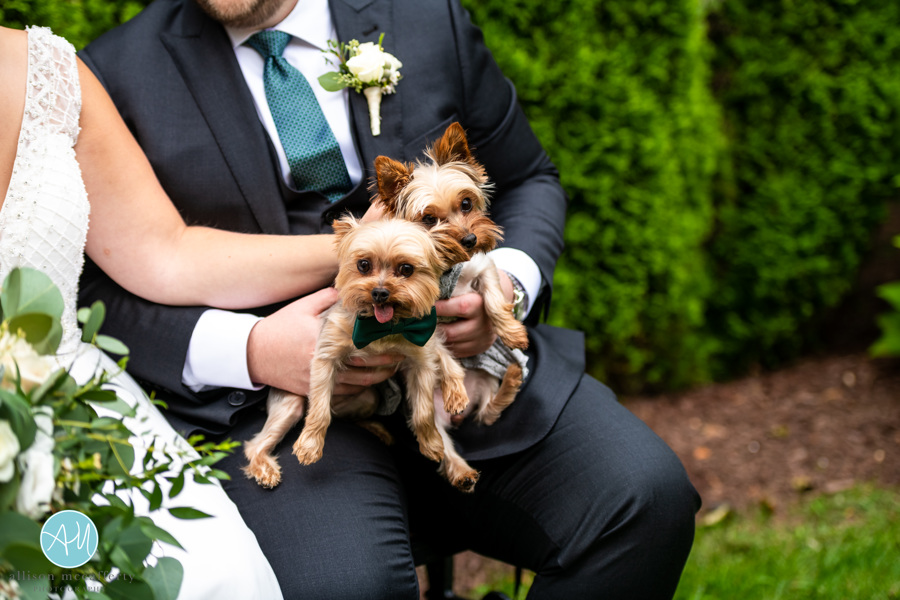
{"points": [[281, 347], [472, 334]]}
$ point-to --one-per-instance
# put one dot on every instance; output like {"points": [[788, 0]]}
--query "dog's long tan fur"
{"points": [[403, 261], [452, 188]]}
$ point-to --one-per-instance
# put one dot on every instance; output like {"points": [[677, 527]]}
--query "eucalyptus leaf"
{"points": [[94, 321], [35, 327], [37, 589], [30, 291], [165, 578], [135, 543], [26, 555], [15, 410], [119, 589], [15, 527], [111, 345], [8, 492], [332, 82]]}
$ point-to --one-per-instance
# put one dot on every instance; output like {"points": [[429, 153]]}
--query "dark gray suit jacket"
{"points": [[174, 78]]}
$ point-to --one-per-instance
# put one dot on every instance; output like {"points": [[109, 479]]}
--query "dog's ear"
{"points": [[448, 248], [343, 226], [452, 147], [391, 176]]}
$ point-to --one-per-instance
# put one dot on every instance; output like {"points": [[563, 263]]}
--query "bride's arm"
{"points": [[140, 240]]}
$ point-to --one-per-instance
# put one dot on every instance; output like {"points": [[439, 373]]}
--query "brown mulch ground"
{"points": [[819, 426]]}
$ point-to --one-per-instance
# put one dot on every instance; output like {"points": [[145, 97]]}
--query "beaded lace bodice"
{"points": [[44, 217]]}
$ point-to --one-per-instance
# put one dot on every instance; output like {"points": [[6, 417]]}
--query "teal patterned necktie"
{"points": [[312, 151]]}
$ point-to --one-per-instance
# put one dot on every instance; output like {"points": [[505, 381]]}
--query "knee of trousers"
{"points": [[660, 498]]}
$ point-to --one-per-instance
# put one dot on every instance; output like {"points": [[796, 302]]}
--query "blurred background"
{"points": [[733, 168]]}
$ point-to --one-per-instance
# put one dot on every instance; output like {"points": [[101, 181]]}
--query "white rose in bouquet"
{"points": [[9, 448], [33, 368]]}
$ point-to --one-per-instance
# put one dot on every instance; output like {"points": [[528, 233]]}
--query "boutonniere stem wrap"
{"points": [[367, 69]]}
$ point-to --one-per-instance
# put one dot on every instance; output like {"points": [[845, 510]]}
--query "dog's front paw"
{"points": [[455, 399], [459, 474], [308, 448], [265, 470], [466, 481]]}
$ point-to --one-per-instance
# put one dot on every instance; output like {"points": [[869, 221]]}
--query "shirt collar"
{"points": [[310, 21]]}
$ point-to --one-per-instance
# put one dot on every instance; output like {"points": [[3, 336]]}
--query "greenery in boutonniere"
{"points": [[57, 453], [365, 68]]}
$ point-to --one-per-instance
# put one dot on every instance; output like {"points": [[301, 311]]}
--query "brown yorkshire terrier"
{"points": [[388, 283], [452, 188]]}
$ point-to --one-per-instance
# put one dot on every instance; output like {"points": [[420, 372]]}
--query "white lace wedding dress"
{"points": [[43, 225]]}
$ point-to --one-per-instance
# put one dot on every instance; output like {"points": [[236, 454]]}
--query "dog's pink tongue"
{"points": [[384, 313]]}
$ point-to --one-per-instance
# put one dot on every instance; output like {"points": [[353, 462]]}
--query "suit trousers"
{"points": [[599, 508]]}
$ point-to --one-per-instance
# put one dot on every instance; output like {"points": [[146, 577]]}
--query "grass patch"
{"points": [[840, 547]]}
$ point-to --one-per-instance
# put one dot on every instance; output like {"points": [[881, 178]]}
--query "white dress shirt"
{"points": [[217, 353]]}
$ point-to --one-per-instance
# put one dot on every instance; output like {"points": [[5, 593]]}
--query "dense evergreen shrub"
{"points": [[618, 93], [79, 21], [811, 99]]}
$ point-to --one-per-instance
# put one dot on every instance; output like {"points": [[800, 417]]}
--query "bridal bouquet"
{"points": [[365, 68], [58, 456]]}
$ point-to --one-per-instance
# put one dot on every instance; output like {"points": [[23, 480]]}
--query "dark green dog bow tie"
{"points": [[418, 331]]}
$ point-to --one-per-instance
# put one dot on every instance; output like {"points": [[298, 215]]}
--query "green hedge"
{"points": [[725, 170], [618, 93], [685, 259], [79, 21], [811, 97]]}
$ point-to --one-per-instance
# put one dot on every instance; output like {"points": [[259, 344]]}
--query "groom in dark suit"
{"points": [[573, 486]]}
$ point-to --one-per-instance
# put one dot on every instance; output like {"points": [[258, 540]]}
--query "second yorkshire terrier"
{"points": [[452, 188], [388, 283]]}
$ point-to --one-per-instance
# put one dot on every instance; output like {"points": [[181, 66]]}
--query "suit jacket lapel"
{"points": [[201, 51], [366, 20]]}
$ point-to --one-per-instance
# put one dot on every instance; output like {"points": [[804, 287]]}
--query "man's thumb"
{"points": [[322, 300]]}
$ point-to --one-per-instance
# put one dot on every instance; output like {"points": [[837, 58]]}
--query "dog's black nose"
{"points": [[380, 295], [469, 241]]}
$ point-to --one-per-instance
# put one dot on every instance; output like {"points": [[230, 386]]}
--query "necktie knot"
{"points": [[270, 43]]}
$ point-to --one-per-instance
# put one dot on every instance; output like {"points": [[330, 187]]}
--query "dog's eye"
{"points": [[364, 266], [465, 205], [429, 220], [405, 270]]}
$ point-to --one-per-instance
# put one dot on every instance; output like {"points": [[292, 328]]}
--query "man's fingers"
{"points": [[464, 306]]}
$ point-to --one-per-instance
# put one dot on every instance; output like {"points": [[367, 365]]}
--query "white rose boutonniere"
{"points": [[366, 68]]}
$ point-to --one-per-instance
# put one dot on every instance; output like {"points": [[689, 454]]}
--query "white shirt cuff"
{"points": [[523, 268], [217, 354]]}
